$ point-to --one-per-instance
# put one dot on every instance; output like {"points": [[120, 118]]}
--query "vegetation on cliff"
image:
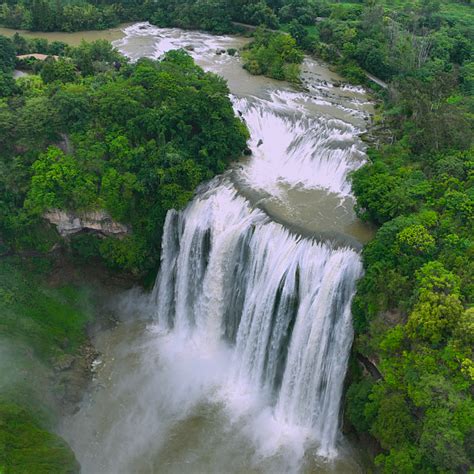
{"points": [[413, 309], [41, 330], [94, 132]]}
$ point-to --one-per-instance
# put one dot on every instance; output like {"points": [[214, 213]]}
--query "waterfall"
{"points": [[231, 275], [281, 301], [289, 146], [238, 363]]}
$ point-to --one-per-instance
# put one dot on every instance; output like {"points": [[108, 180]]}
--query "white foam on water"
{"points": [[280, 301]]}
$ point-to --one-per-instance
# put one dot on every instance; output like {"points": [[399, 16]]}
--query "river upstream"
{"points": [[236, 361]]}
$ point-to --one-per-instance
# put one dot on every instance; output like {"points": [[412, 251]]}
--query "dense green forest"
{"points": [[413, 311], [140, 140], [42, 329]]}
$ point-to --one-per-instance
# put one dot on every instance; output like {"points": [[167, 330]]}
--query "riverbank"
{"points": [[50, 308]]}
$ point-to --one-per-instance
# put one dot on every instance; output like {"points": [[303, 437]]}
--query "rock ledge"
{"points": [[100, 221]]}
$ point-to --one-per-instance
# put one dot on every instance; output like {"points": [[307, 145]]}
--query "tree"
{"points": [[7, 84], [61, 70], [7, 55], [438, 307], [59, 182], [416, 238]]}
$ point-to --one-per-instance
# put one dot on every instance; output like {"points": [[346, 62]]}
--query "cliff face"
{"points": [[68, 223]]}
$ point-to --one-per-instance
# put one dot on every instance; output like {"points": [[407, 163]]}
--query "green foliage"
{"points": [[50, 322], [98, 56], [7, 55], [275, 55], [438, 307], [211, 15], [45, 15], [134, 140], [7, 84], [25, 447], [59, 182], [60, 70]]}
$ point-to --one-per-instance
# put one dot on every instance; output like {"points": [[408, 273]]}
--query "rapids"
{"points": [[236, 361]]}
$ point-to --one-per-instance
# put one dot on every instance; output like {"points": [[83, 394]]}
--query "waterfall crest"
{"points": [[284, 151], [282, 301]]}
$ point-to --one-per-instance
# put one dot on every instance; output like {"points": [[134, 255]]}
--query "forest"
{"points": [[141, 143], [136, 154]]}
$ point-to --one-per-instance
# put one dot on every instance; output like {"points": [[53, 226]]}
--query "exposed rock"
{"points": [[65, 144], [189, 47], [63, 362], [260, 142], [370, 366], [69, 223]]}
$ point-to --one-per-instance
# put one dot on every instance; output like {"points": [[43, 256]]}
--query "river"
{"points": [[236, 361], [74, 38]]}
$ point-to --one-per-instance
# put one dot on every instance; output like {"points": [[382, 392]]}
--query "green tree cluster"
{"points": [[274, 55], [94, 132], [413, 308]]}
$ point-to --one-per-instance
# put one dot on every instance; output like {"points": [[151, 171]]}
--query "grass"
{"points": [[38, 324], [26, 448], [50, 321]]}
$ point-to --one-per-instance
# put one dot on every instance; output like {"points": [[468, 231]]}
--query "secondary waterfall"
{"points": [[236, 361]]}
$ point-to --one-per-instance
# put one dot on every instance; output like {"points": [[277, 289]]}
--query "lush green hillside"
{"points": [[41, 329], [140, 138]]}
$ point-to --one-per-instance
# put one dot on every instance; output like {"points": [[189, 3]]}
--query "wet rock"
{"points": [[247, 151], [189, 47], [260, 142]]}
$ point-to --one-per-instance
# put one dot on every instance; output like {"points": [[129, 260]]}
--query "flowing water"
{"points": [[74, 39], [236, 361]]}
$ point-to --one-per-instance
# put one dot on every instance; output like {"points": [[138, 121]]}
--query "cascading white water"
{"points": [[283, 301], [284, 151]]}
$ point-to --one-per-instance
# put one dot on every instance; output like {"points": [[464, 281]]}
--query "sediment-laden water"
{"points": [[236, 361]]}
